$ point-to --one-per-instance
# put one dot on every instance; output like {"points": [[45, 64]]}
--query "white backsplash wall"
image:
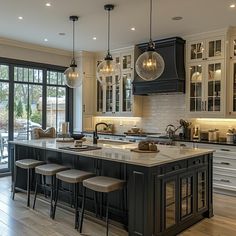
{"points": [[162, 110], [158, 111]]}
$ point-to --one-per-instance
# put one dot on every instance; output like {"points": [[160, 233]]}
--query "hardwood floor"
{"points": [[18, 220]]}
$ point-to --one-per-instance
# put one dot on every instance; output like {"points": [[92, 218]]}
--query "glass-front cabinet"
{"points": [[114, 94], [206, 49], [206, 81], [232, 110]]}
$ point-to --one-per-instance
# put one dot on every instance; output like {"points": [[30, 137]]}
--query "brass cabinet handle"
{"points": [[222, 163], [222, 180], [224, 149]]}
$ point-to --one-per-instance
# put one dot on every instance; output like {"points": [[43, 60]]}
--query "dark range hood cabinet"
{"points": [[173, 78]]}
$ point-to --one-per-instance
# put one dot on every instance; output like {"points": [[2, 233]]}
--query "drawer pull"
{"points": [[222, 163], [198, 161], [175, 167], [222, 180], [224, 149]]}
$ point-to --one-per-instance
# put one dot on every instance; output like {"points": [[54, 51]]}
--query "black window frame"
{"points": [[40, 66]]}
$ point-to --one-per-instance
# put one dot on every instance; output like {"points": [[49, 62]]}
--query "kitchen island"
{"points": [[166, 192]]}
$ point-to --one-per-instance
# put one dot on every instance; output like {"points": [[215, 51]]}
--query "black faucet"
{"points": [[95, 133]]}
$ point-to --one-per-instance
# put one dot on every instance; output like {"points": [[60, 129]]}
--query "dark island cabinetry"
{"points": [[160, 199], [169, 198]]}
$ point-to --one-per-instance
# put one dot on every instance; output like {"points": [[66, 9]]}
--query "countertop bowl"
{"points": [[77, 136]]}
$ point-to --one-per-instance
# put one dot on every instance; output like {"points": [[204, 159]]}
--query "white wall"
{"points": [[30, 52]]}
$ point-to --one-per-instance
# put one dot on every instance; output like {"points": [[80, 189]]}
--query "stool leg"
{"points": [[36, 189], [107, 212], [95, 203], [52, 196], [82, 212], [56, 198], [28, 186], [76, 205], [14, 183]]}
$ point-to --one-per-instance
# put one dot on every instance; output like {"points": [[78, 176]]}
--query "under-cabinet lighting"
{"points": [[216, 119], [117, 118]]}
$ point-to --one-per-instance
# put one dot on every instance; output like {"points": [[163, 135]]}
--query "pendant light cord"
{"points": [[108, 32], [150, 20], [73, 57]]}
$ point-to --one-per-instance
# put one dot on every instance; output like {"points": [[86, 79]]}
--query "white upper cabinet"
{"points": [[206, 49], [206, 76], [115, 97]]}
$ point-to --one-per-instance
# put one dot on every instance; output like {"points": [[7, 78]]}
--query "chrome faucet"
{"points": [[95, 133]]}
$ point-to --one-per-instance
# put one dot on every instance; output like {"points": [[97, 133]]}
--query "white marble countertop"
{"points": [[121, 152]]}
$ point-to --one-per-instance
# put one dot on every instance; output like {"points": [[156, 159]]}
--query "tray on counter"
{"points": [[80, 149]]}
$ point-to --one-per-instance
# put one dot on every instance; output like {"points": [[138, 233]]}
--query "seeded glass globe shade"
{"points": [[72, 77], [107, 68], [150, 65]]}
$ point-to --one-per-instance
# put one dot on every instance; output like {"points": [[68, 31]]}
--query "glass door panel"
{"points": [[55, 106], [27, 109], [117, 93], [99, 97], [196, 86], [109, 94], [186, 196], [234, 47], [127, 92], [201, 189], [196, 51], [214, 87], [234, 87], [4, 95], [126, 62], [215, 48], [170, 204]]}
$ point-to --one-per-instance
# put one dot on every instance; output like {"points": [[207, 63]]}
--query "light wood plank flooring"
{"points": [[18, 220]]}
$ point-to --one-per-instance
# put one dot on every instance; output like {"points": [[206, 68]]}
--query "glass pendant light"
{"points": [[150, 65], [73, 78], [108, 67]]}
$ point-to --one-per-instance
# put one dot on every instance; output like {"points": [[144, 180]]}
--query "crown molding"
{"points": [[36, 47]]}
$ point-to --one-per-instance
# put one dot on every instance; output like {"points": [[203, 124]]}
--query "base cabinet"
{"points": [[170, 198], [184, 197]]}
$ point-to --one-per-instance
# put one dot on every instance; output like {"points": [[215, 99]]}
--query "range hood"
{"points": [[173, 78]]}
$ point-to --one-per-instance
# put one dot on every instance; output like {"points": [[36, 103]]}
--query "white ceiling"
{"points": [[41, 22]]}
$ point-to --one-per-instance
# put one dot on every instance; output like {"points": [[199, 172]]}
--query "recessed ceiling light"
{"points": [[94, 38], [45, 40], [133, 28], [232, 6], [62, 33], [20, 17], [48, 4], [177, 18]]}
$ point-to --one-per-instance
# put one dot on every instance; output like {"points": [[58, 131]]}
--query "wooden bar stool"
{"points": [[101, 184], [29, 165], [47, 170], [74, 177]]}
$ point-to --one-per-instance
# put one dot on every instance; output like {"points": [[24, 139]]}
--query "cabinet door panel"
{"points": [[214, 85], [186, 196], [201, 189], [170, 203], [196, 87]]}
